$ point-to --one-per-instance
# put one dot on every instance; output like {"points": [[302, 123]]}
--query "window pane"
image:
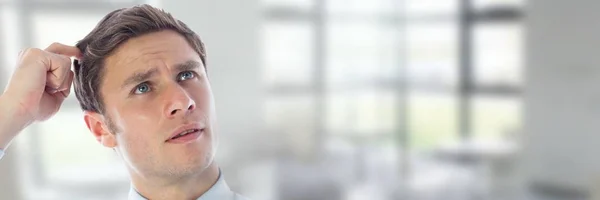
{"points": [[482, 4], [361, 6], [288, 57], [430, 7], [362, 112], [10, 41], [72, 155], [292, 120], [432, 53], [495, 117], [359, 52], [432, 119], [290, 111], [498, 53], [302, 4], [66, 28]]}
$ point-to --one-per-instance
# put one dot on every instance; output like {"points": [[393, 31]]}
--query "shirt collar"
{"points": [[220, 190]]}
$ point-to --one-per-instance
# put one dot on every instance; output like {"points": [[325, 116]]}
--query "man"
{"points": [[140, 77]]}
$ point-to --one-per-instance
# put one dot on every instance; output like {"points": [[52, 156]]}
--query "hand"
{"points": [[39, 85]]}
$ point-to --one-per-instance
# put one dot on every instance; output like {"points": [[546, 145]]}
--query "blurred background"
{"points": [[351, 99]]}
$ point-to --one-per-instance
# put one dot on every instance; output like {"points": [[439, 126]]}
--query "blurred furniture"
{"points": [[492, 162]]}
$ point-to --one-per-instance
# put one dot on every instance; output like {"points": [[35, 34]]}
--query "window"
{"points": [[486, 4], [496, 117], [432, 118], [298, 4], [354, 7], [288, 59], [497, 54], [388, 68], [431, 53], [297, 129], [72, 154], [65, 28], [362, 112], [424, 8], [9, 32], [360, 52]]}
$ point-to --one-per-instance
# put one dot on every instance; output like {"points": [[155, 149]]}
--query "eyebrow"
{"points": [[188, 65], [138, 77]]}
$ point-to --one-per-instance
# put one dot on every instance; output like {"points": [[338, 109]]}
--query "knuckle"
{"points": [[30, 55], [30, 52]]}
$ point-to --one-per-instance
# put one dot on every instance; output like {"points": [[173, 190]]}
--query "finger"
{"points": [[65, 88], [58, 70], [50, 90], [66, 50], [49, 104]]}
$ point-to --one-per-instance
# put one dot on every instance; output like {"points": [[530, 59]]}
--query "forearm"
{"points": [[11, 122]]}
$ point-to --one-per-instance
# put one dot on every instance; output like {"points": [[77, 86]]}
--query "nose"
{"points": [[178, 102]]}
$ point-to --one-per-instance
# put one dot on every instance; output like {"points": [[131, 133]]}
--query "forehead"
{"points": [[166, 47]]}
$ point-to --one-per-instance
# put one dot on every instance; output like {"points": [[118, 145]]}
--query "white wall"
{"points": [[9, 185], [9, 182], [229, 29], [562, 92]]}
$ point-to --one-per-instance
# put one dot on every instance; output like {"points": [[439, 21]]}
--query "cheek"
{"points": [[134, 143], [137, 130], [138, 137], [138, 115], [203, 96], [140, 153]]}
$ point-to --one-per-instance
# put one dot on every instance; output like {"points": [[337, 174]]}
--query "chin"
{"points": [[199, 161], [191, 168]]}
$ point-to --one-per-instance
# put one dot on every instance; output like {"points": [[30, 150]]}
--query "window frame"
{"points": [[467, 18]]}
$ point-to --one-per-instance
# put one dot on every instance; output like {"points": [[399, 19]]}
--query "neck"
{"points": [[188, 187]]}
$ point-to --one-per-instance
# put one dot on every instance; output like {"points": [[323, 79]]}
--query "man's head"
{"points": [[142, 80]]}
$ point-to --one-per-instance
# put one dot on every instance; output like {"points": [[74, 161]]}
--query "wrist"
{"points": [[12, 120]]}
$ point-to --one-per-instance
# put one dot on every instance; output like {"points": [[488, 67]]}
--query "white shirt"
{"points": [[219, 191]]}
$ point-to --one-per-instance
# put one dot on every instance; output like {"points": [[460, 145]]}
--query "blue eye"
{"points": [[142, 88], [185, 75]]}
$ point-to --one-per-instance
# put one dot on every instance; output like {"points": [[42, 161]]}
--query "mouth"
{"points": [[185, 134]]}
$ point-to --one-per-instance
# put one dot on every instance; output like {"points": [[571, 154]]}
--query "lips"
{"points": [[186, 133]]}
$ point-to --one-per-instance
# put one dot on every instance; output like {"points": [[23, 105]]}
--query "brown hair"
{"points": [[113, 30]]}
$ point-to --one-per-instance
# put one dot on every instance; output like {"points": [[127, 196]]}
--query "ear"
{"points": [[97, 125]]}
